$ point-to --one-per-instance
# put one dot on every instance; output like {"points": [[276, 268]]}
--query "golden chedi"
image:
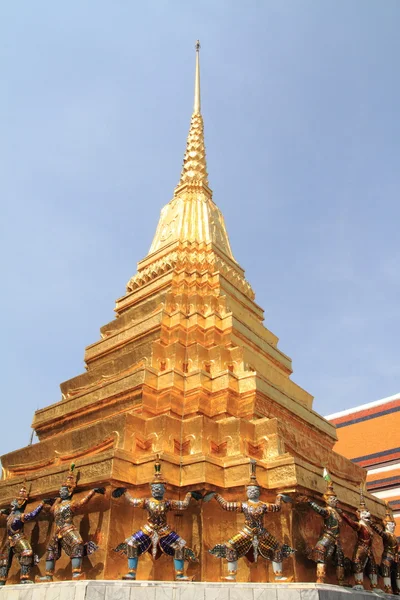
{"points": [[188, 371]]}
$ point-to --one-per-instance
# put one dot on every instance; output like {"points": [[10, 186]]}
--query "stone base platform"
{"points": [[168, 590]]}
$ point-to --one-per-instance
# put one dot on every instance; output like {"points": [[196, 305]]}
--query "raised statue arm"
{"points": [[353, 524], [272, 507], [232, 506], [181, 504], [54, 506], [135, 502], [378, 528], [324, 512], [33, 514], [18, 522], [77, 505], [317, 508], [277, 505]]}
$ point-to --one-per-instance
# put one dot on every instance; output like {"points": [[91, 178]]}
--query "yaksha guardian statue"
{"points": [[253, 539], [66, 536], [390, 562], [328, 546], [17, 544], [363, 558], [156, 536]]}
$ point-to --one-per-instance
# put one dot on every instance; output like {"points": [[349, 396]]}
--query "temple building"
{"points": [[369, 435], [188, 371]]}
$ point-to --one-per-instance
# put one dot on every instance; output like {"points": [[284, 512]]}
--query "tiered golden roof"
{"points": [[187, 370]]}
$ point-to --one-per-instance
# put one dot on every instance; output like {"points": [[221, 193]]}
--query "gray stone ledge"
{"points": [[173, 590]]}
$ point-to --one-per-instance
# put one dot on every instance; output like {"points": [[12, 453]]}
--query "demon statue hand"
{"points": [[328, 545], [66, 536], [253, 539], [17, 543], [390, 563], [363, 557], [156, 536]]}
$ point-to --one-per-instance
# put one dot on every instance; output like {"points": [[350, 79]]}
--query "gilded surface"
{"points": [[186, 370]]}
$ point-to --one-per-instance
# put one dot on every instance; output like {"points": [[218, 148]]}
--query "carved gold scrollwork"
{"points": [[146, 443], [258, 449], [81, 453], [184, 446], [191, 259], [59, 458], [220, 448], [105, 380]]}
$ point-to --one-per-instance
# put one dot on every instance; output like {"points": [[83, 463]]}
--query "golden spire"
{"points": [[194, 170], [197, 105], [192, 216]]}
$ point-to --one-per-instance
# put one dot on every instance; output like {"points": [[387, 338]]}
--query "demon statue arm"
{"points": [[277, 505], [232, 506], [26, 517], [378, 529], [321, 510], [77, 504], [353, 524], [135, 502], [181, 504]]}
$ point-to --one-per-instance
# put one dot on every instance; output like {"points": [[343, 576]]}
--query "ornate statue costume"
{"points": [[67, 536], [253, 539], [17, 544], [328, 545], [390, 562], [156, 536], [363, 557]]}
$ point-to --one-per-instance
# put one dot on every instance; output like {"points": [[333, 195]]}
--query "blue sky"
{"points": [[300, 101]]}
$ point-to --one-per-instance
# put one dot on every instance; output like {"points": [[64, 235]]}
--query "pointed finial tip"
{"points": [[196, 108]]}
